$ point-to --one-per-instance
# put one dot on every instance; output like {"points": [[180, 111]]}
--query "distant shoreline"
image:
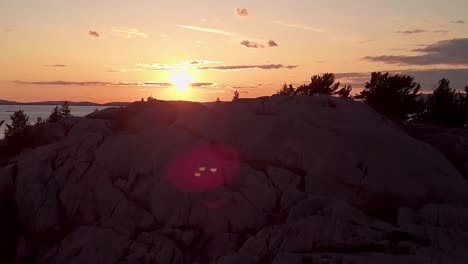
{"points": [[57, 103]]}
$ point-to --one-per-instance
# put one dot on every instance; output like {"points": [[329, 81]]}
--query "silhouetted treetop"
{"points": [[16, 134], [319, 84], [345, 91], [58, 113], [395, 96], [19, 123], [287, 90], [65, 110], [324, 84], [54, 116], [445, 107]]}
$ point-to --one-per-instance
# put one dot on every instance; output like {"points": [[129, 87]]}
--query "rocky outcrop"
{"points": [[452, 142], [267, 180]]}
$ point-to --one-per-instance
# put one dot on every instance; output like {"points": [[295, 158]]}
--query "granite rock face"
{"points": [[452, 142], [266, 180]]}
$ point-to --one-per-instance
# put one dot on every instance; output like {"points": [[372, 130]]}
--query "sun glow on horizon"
{"points": [[181, 80]]}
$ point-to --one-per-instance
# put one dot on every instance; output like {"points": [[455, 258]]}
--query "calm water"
{"points": [[35, 111]]}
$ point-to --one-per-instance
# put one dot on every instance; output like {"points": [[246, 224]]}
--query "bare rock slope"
{"points": [[266, 180]]}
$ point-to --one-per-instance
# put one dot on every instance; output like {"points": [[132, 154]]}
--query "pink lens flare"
{"points": [[203, 168]]}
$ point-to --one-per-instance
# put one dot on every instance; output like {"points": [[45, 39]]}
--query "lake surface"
{"points": [[35, 111]]}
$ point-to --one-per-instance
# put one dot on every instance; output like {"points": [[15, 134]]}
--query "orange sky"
{"points": [[124, 50]]}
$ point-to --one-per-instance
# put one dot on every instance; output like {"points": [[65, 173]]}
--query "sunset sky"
{"points": [[123, 50]]}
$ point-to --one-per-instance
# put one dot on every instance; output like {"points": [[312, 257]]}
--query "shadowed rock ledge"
{"points": [[312, 180]]}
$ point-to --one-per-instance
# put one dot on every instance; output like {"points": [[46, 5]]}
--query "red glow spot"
{"points": [[189, 173]]}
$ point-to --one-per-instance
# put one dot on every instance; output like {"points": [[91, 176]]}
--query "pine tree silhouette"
{"points": [[65, 110], [445, 107], [54, 116], [395, 96], [16, 134]]}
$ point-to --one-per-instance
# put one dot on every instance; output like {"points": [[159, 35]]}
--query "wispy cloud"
{"points": [[129, 33], [411, 31], [154, 84], [166, 84], [90, 83], [448, 52], [100, 83], [203, 85], [251, 44], [246, 43], [457, 22], [207, 65], [117, 70], [198, 62], [242, 12], [162, 35], [255, 45], [93, 34], [251, 86], [56, 65], [299, 26], [355, 79], [188, 64], [441, 31], [208, 30], [244, 67]]}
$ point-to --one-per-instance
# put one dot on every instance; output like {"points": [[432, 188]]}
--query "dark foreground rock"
{"points": [[268, 180], [452, 142]]}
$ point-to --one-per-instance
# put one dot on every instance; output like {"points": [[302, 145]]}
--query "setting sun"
{"points": [[181, 80]]}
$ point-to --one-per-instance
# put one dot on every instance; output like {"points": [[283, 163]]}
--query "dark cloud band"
{"points": [[427, 78], [448, 52]]}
